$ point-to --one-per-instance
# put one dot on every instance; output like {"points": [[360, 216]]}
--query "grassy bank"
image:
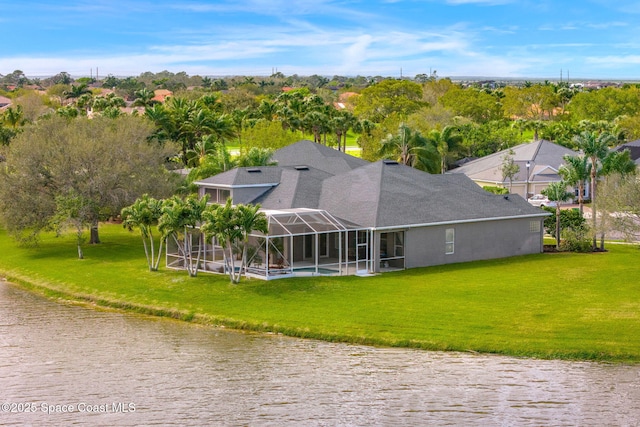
{"points": [[569, 306]]}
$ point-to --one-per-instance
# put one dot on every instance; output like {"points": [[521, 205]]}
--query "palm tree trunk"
{"points": [[581, 197], [558, 225], [593, 203], [156, 264], [146, 253]]}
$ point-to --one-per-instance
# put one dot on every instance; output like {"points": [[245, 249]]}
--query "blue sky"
{"points": [[592, 39]]}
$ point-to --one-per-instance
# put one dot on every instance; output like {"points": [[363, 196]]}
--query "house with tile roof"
{"points": [[4, 101], [538, 163], [330, 213]]}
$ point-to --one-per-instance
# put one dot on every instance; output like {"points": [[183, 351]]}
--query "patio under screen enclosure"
{"points": [[301, 242]]}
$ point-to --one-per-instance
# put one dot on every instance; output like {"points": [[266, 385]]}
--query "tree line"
{"points": [[212, 125]]}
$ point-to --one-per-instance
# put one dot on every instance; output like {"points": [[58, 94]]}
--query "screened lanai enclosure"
{"points": [[300, 242]]}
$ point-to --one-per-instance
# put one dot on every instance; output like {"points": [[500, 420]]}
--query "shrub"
{"points": [[570, 220], [496, 190], [575, 240]]}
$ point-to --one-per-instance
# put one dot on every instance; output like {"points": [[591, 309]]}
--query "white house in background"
{"points": [[539, 162]]}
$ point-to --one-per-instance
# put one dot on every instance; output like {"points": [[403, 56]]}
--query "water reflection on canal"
{"points": [[120, 369]]}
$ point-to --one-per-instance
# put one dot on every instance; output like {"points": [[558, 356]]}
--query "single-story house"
{"points": [[539, 162], [332, 213]]}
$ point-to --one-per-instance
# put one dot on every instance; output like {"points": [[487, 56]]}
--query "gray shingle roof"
{"points": [[318, 156], [384, 195], [243, 176], [369, 194], [544, 158], [634, 150], [297, 189]]}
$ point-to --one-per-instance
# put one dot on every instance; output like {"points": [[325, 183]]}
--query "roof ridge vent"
{"points": [[389, 162], [301, 168]]}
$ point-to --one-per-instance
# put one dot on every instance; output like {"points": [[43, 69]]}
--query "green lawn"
{"points": [[561, 305]]}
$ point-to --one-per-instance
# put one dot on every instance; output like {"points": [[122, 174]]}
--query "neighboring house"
{"points": [[4, 101], [161, 95], [539, 163], [634, 150], [331, 213]]}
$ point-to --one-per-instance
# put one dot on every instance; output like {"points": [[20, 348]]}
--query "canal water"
{"points": [[69, 365]]}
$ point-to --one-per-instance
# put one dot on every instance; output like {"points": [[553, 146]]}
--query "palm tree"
{"points": [[536, 126], [77, 91], [144, 98], [445, 141], [14, 117], [576, 171], [339, 125], [144, 214], [315, 122], [557, 192], [267, 110], [207, 82], [231, 226], [222, 128], [256, 157], [249, 219], [214, 163], [410, 148], [204, 147], [595, 148], [238, 119], [179, 220], [165, 127]]}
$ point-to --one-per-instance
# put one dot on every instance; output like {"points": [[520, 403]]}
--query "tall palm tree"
{"points": [[144, 98], [536, 126], [315, 122], [267, 110], [595, 148], [446, 142], [410, 148], [256, 157], [144, 214], [231, 226], [178, 221], [576, 171], [77, 91], [250, 219], [204, 147]]}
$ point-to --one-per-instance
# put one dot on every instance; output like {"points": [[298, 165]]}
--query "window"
{"points": [[392, 245], [218, 195], [534, 226], [449, 240], [399, 244]]}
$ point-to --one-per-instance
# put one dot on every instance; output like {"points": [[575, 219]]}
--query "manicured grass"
{"points": [[560, 305]]}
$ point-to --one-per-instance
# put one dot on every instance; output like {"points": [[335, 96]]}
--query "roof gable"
{"points": [[541, 155]]}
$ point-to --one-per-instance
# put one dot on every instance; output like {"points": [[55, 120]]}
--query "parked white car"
{"points": [[541, 201]]}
